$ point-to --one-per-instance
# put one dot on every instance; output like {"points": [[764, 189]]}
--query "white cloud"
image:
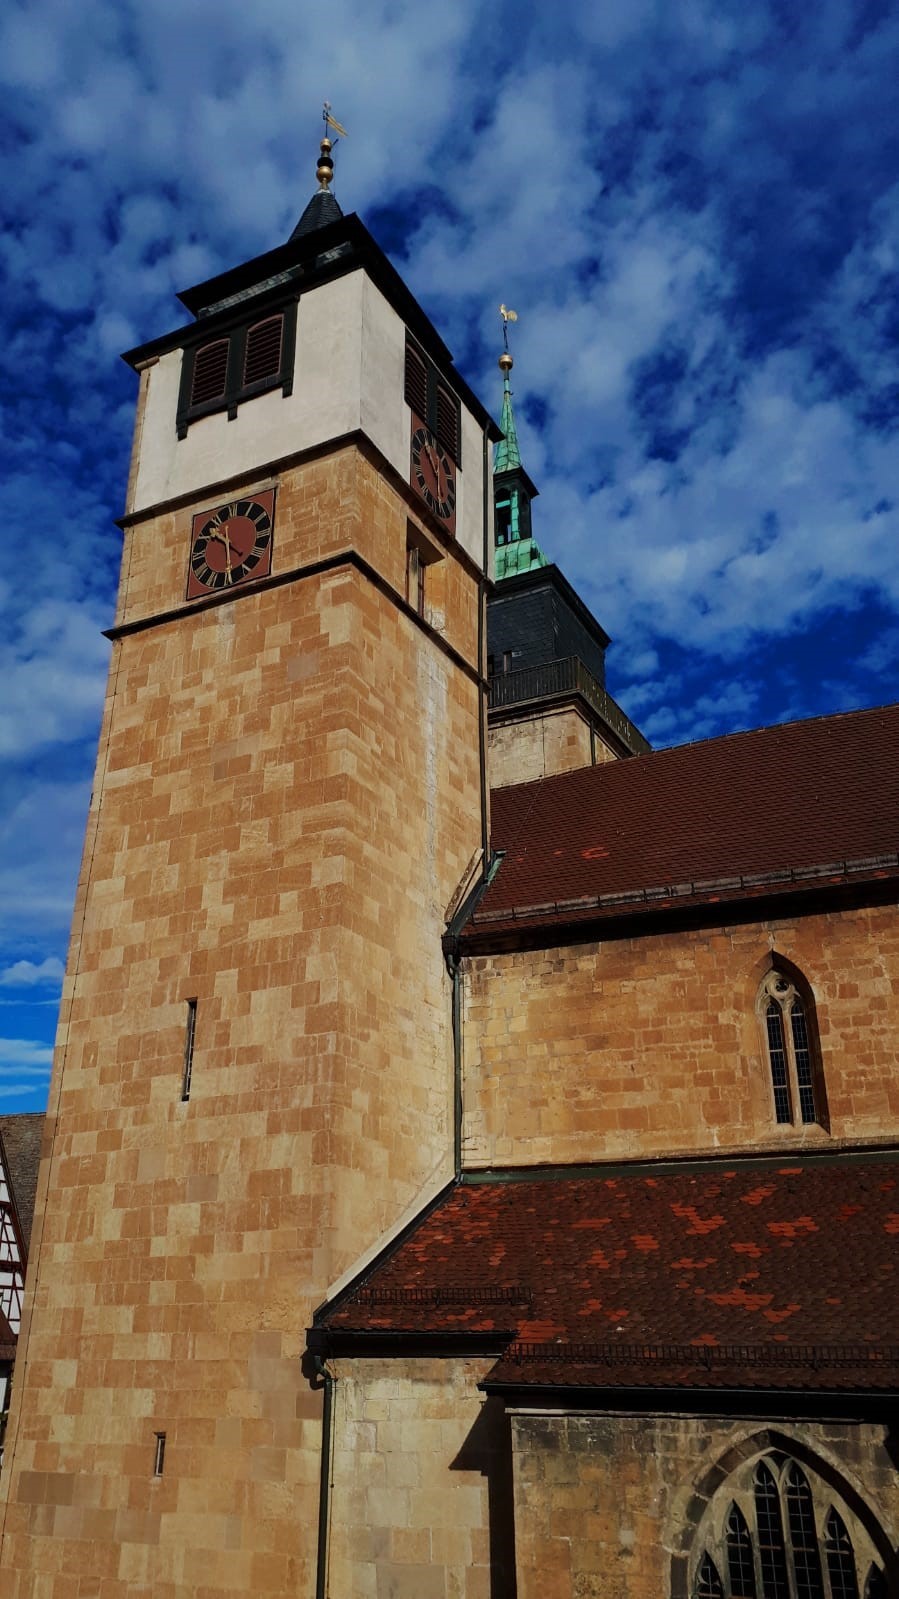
{"points": [[27, 974], [25, 1057]]}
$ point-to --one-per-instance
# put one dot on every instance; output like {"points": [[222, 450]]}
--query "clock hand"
{"points": [[219, 533], [437, 464]]}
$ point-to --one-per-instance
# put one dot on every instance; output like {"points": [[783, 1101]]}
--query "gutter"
{"points": [[324, 1486], [452, 954]]}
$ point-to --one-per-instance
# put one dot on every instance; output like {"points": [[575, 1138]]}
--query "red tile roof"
{"points": [[7, 1341], [20, 1142], [797, 805], [764, 1274]]}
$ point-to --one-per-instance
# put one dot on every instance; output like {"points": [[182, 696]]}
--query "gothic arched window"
{"points": [[787, 1017], [778, 1535]]}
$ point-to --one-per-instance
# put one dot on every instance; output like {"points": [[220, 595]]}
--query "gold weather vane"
{"points": [[325, 169], [332, 122], [505, 360]]}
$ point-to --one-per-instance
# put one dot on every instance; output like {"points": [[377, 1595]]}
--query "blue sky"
{"points": [[692, 204]]}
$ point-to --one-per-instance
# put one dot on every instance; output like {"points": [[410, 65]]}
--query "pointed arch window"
{"points": [[708, 1585], [740, 1562], [840, 1559], [780, 1536], [786, 1011]]}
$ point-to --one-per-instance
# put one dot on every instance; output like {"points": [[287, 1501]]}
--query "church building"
{"points": [[472, 1161]]}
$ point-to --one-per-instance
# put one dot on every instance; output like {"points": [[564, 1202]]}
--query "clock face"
{"points": [[433, 474], [231, 545]]}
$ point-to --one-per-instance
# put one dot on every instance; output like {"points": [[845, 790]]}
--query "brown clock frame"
{"points": [[443, 511], [231, 544]]}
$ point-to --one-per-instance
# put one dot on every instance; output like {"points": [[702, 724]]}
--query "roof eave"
{"points": [[305, 253], [526, 928]]}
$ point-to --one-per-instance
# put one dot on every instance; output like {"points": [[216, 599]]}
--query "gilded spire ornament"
{"points": [[325, 169], [507, 453], [322, 208], [515, 548]]}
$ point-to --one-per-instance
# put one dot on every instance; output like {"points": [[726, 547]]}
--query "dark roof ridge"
{"points": [[665, 1165], [657, 755]]}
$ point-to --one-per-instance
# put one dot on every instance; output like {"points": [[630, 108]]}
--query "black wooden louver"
{"points": [[447, 428], [416, 383], [210, 373], [263, 352]]}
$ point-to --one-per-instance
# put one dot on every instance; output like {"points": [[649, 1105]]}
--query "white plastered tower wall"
{"points": [[348, 375]]}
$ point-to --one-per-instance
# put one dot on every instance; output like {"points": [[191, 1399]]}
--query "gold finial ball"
{"points": [[325, 169], [505, 362]]}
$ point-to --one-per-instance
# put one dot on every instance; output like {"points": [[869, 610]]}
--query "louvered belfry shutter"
{"points": [[263, 352], [416, 382], [447, 429], [210, 373]]}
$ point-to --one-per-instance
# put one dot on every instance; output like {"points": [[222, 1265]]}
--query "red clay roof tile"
{"points": [[789, 1276], [734, 817]]}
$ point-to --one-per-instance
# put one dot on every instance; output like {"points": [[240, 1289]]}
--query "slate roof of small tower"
{"points": [[323, 207], [321, 210]]}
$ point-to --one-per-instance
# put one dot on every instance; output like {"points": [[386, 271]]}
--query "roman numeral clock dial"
{"points": [[433, 474], [231, 545]]}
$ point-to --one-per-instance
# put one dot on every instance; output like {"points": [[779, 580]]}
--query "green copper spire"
{"points": [[515, 548], [507, 454]]}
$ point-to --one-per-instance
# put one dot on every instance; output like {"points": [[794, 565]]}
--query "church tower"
{"points": [[254, 1075], [549, 710]]}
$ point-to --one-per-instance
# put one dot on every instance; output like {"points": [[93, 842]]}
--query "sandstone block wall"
{"points": [[651, 1046], [554, 741], [287, 796], [422, 1484], [619, 1506]]}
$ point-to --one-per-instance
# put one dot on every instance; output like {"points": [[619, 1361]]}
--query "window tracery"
{"points": [[776, 1532], [796, 1082]]}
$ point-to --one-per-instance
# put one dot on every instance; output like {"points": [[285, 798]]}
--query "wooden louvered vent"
{"points": [[416, 382], [210, 373], [447, 428], [263, 352]]}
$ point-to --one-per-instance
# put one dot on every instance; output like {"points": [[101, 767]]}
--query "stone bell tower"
{"points": [[254, 1074]]}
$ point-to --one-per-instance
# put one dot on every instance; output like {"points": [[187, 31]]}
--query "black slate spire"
{"points": [[323, 207], [321, 210]]}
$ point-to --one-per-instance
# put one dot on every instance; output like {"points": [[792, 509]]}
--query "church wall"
{"points": [[323, 507], [651, 1046], [286, 800], [422, 1493], [613, 1507], [541, 745]]}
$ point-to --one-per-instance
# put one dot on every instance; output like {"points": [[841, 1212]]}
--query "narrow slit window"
{"points": [[189, 1034], [415, 579], [159, 1455]]}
